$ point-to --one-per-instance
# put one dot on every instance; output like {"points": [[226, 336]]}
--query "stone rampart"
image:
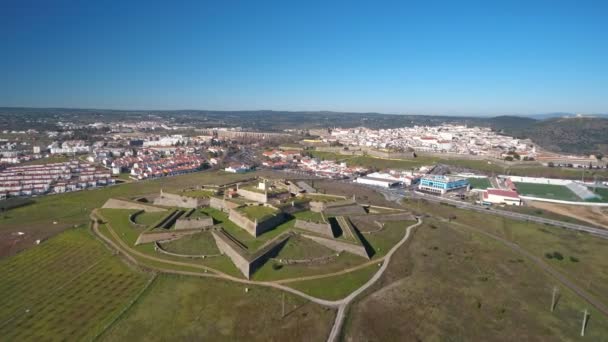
{"points": [[232, 250], [114, 203], [269, 250], [317, 228], [339, 246], [243, 221], [193, 223], [352, 209], [173, 200], [149, 237], [221, 204], [253, 195], [269, 223]]}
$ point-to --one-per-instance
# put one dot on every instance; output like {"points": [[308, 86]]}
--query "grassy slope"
{"points": [[196, 244], [71, 285], [187, 308], [337, 287], [589, 272], [257, 212], [149, 218], [73, 208], [450, 284], [119, 220]]}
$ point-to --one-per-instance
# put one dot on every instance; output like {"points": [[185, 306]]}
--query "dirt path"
{"points": [[337, 328], [593, 215]]}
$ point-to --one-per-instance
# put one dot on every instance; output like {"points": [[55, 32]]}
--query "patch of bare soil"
{"points": [[14, 240], [593, 215]]}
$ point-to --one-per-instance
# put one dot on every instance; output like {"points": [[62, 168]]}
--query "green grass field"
{"points": [[300, 248], [550, 191], [195, 244], [479, 183], [149, 218], [199, 193], [336, 287], [188, 308], [74, 207], [68, 288], [602, 192], [308, 215], [257, 212]]}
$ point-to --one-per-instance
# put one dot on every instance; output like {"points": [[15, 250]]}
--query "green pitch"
{"points": [[550, 191]]}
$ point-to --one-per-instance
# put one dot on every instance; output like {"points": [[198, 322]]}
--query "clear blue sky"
{"points": [[426, 57]]}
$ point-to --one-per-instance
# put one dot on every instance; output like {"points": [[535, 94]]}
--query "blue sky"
{"points": [[417, 57]]}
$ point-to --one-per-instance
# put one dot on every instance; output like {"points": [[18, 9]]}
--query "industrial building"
{"points": [[499, 196], [383, 180], [442, 184]]}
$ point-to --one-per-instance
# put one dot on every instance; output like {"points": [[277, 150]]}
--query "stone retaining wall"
{"points": [[243, 221], [160, 249], [193, 223], [231, 250], [173, 200], [339, 246], [134, 223], [318, 228], [221, 204], [253, 195], [148, 237], [114, 203]]}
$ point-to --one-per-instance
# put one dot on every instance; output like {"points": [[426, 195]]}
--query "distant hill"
{"points": [[510, 123], [577, 135]]}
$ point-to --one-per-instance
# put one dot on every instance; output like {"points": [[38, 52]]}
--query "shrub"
{"points": [[573, 259], [548, 255], [558, 256]]}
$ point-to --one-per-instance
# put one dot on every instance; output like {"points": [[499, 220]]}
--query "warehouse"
{"points": [[498, 196], [383, 180]]}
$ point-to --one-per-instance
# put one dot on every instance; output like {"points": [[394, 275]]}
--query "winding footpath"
{"points": [[335, 330]]}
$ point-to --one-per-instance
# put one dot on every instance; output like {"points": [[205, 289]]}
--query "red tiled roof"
{"points": [[503, 193]]}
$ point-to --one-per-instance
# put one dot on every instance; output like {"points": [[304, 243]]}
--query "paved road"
{"points": [[398, 194], [335, 330]]}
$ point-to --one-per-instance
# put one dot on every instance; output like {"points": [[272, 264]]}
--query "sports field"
{"points": [[68, 288], [550, 191], [479, 183]]}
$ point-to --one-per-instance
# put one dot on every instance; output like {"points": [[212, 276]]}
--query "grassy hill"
{"points": [[577, 135]]}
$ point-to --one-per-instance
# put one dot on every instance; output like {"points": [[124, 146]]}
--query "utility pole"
{"points": [[554, 297], [585, 316], [283, 305]]}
